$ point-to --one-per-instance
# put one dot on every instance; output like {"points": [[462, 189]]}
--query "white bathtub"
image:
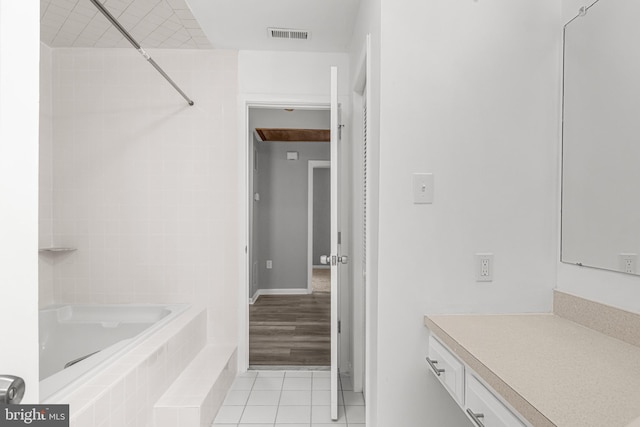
{"points": [[92, 336]]}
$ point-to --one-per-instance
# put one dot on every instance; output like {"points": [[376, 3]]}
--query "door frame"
{"points": [[313, 164], [245, 173]]}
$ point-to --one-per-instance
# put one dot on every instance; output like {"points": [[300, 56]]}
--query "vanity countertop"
{"points": [[553, 371]]}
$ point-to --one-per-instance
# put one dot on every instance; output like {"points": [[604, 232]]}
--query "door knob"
{"points": [[343, 259], [324, 259], [11, 389]]}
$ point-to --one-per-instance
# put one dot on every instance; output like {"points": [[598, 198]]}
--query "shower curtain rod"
{"points": [[139, 48]]}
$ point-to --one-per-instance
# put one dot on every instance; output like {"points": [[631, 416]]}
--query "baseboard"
{"points": [[260, 292], [322, 267]]}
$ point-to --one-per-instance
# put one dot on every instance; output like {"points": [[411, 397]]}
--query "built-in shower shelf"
{"points": [[56, 249]]}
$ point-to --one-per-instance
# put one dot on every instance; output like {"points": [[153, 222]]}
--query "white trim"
{"points": [[260, 292], [313, 164]]}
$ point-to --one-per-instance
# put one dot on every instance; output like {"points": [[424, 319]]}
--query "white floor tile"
{"points": [[236, 397], [346, 385], [352, 398], [293, 414], [321, 383], [322, 414], [248, 374], [241, 383], [293, 425], [357, 425], [295, 397], [229, 415], [321, 397], [264, 398], [298, 374], [224, 425], [296, 384], [268, 383], [321, 374], [271, 374], [355, 414], [259, 414]]}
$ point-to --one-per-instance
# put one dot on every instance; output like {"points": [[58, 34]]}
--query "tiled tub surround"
{"points": [[550, 369], [123, 394]]}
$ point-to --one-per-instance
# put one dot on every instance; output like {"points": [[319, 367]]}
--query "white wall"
{"points": [[45, 214], [19, 56], [144, 185], [617, 289], [475, 103]]}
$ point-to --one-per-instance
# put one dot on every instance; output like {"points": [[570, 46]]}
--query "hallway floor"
{"points": [[290, 330], [289, 399]]}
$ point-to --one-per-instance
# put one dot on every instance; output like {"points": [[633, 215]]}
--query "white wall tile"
{"points": [[144, 185]]}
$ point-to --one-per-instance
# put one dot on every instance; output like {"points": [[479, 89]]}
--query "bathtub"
{"points": [[78, 340]]}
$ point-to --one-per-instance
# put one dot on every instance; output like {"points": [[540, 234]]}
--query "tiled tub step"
{"points": [[196, 395]]}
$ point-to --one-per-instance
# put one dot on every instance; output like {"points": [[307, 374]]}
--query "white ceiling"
{"points": [[153, 23], [205, 24], [242, 24]]}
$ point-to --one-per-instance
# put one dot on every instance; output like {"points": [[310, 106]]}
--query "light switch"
{"points": [[422, 188]]}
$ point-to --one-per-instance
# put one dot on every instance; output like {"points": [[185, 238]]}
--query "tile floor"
{"points": [[289, 399]]}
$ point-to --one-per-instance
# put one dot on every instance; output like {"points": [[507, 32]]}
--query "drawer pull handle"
{"points": [[475, 417], [436, 370]]}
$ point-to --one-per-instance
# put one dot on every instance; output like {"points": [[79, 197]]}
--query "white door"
{"points": [[336, 258], [19, 83]]}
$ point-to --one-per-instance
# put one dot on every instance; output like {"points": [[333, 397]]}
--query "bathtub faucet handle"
{"points": [[11, 389]]}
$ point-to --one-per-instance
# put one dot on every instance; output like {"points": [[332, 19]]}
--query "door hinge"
{"points": [[339, 326], [340, 132]]}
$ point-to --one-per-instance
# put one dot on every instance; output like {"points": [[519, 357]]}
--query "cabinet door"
{"points": [[447, 368], [484, 408]]}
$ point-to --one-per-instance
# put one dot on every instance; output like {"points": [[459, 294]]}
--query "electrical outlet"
{"points": [[269, 264], [628, 262], [484, 267]]}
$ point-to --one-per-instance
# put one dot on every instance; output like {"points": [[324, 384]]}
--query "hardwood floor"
{"points": [[290, 330]]}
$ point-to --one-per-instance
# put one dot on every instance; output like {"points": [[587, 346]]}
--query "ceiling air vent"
{"points": [[288, 33]]}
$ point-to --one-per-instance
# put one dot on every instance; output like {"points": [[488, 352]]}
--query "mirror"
{"points": [[601, 138]]}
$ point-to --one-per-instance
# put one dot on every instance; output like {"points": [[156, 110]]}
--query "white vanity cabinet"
{"points": [[481, 405], [484, 408], [447, 368]]}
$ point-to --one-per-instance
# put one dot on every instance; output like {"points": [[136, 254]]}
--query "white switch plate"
{"points": [[484, 267], [269, 264], [422, 188]]}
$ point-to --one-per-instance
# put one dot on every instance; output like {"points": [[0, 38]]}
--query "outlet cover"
{"points": [[484, 267], [269, 264], [628, 262]]}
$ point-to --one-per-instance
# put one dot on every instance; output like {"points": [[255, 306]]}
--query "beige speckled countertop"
{"points": [[553, 371]]}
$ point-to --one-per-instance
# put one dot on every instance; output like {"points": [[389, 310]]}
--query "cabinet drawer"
{"points": [[447, 368], [487, 409]]}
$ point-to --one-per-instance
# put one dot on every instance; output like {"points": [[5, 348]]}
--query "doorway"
{"points": [[319, 226], [289, 322]]}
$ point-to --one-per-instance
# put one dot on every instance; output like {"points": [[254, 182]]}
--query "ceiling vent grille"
{"points": [[288, 33]]}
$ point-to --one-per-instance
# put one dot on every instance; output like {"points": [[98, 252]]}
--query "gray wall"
{"points": [[321, 213], [281, 217]]}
